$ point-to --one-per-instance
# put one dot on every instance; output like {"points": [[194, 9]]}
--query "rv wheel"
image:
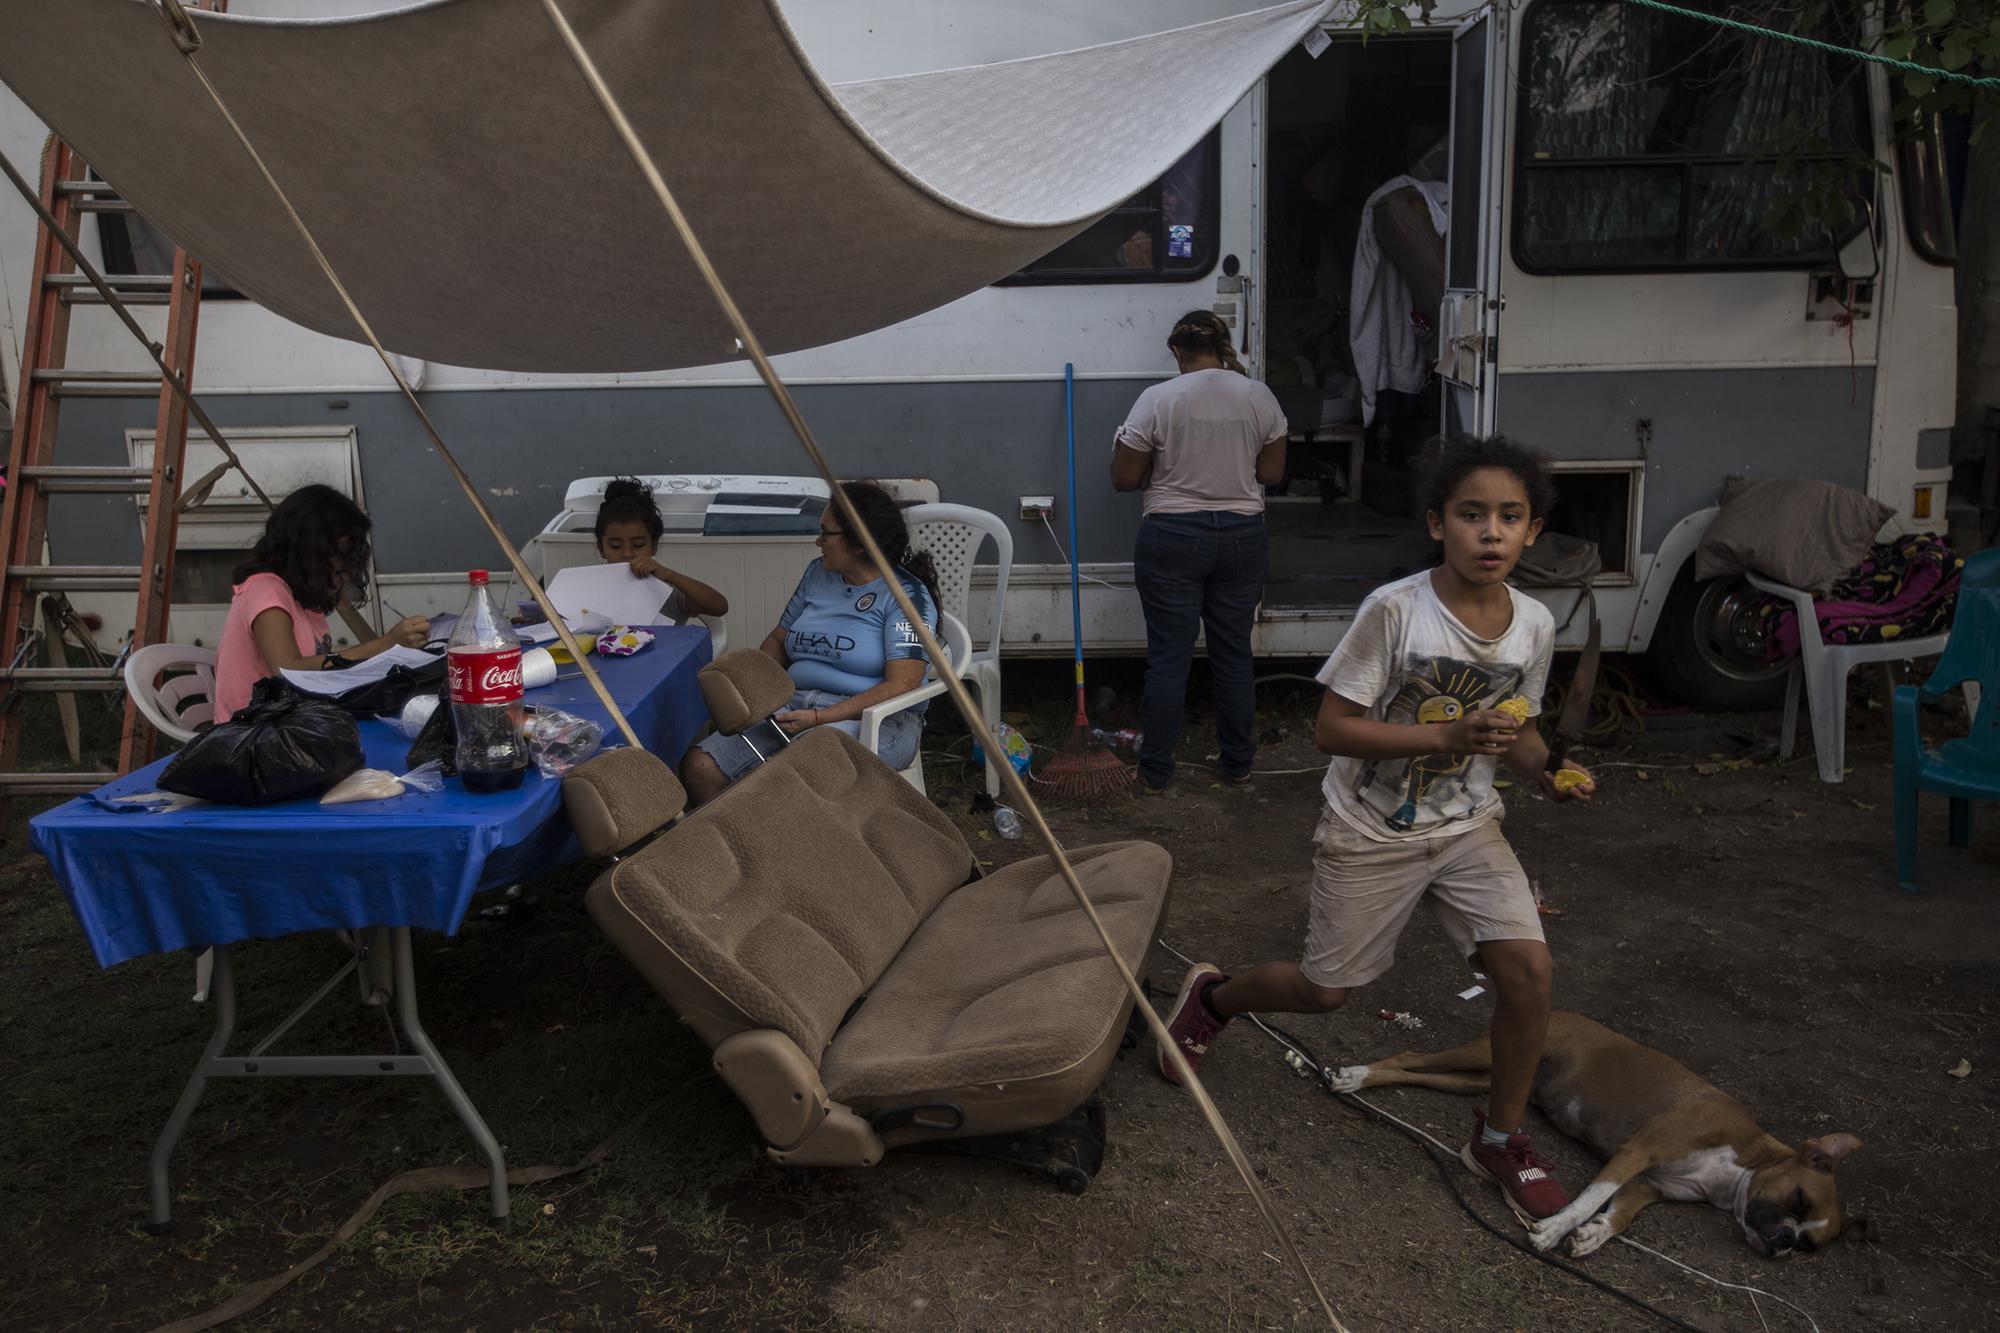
{"points": [[1708, 650]]}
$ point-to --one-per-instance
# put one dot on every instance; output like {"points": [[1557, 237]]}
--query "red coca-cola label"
{"points": [[484, 675]]}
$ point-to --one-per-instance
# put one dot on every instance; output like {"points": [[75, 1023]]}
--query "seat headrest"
{"points": [[619, 797], [743, 688]]}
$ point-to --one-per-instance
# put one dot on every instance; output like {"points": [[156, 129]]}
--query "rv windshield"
{"points": [[1651, 142]]}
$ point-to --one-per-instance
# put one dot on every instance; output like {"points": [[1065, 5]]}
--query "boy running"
{"points": [[1414, 719]]}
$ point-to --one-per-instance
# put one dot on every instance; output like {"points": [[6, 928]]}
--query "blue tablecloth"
{"points": [[148, 883]]}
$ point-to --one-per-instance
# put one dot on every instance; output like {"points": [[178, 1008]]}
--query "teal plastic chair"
{"points": [[1967, 769]]}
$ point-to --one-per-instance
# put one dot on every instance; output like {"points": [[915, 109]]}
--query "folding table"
{"points": [[210, 876]]}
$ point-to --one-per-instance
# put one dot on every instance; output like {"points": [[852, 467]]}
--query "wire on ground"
{"points": [[1444, 1157]]}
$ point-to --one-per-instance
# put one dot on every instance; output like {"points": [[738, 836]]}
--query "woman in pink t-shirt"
{"points": [[314, 548], [1202, 446]]}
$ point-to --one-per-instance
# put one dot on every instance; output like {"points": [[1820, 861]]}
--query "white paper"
{"points": [[1472, 992], [607, 593], [365, 672]]}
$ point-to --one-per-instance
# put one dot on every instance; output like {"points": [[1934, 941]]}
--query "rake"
{"points": [[1082, 768]]}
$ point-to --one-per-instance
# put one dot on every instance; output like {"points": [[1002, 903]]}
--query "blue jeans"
{"points": [[1195, 571]]}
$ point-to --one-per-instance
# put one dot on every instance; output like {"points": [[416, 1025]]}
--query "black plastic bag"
{"points": [[438, 740], [386, 697], [286, 744]]}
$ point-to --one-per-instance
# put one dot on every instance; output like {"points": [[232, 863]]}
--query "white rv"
{"points": [[1608, 291]]}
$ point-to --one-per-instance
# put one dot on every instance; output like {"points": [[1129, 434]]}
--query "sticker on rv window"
{"points": [[1180, 241]]}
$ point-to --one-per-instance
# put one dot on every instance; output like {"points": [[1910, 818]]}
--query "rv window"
{"points": [[1164, 233], [1649, 143]]}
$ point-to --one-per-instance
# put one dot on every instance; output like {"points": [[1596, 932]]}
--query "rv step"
{"points": [[78, 578], [91, 296], [58, 480], [51, 784], [119, 282], [67, 376], [131, 288], [99, 383], [61, 680]]}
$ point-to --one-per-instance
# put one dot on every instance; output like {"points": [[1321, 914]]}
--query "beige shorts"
{"points": [[1363, 892]]}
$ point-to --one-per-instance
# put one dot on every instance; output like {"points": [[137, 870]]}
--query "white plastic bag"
{"points": [[364, 784], [559, 741], [374, 784]]}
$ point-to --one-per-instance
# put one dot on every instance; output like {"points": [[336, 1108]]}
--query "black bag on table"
{"points": [[438, 740], [386, 697], [284, 745]]}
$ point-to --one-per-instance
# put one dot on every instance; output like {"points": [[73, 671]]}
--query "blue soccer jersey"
{"points": [[841, 637]]}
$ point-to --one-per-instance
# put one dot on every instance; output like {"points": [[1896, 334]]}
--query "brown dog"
{"points": [[1664, 1134]]}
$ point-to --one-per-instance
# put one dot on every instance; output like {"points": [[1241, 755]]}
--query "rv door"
{"points": [[1469, 323]]}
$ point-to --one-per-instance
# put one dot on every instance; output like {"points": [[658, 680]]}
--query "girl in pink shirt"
{"points": [[314, 548]]}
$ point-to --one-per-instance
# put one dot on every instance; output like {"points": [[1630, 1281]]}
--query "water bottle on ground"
{"points": [[483, 673], [1006, 822]]}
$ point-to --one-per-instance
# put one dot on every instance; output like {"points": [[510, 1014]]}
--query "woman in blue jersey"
{"points": [[845, 642]]}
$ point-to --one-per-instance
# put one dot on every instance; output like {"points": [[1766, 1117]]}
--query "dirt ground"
{"points": [[1714, 903]]}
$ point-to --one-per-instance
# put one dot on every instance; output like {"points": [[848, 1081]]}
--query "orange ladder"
{"points": [[34, 608]]}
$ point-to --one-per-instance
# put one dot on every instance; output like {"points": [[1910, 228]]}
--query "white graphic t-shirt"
{"points": [[1409, 660]]}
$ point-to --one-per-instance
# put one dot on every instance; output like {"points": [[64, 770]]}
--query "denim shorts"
{"points": [[736, 755]]}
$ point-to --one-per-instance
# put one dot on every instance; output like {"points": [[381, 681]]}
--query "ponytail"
{"points": [[1202, 332], [920, 564]]}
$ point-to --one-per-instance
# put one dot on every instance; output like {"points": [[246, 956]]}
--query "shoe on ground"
{"points": [[1148, 789], [1526, 1181], [1240, 780], [1189, 1022]]}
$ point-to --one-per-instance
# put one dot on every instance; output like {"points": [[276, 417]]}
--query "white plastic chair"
{"points": [[953, 534], [176, 706], [1822, 668], [957, 642], [718, 635], [180, 704]]}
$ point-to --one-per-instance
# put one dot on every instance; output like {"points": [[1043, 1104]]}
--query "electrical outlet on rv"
{"points": [[1037, 506]]}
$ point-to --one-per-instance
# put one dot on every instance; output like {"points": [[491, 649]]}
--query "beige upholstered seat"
{"points": [[819, 926], [1002, 993]]}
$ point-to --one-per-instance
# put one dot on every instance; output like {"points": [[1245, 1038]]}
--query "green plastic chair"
{"points": [[1967, 769]]}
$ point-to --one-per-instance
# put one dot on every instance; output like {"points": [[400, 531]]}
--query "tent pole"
{"points": [[188, 39], [1017, 788]]}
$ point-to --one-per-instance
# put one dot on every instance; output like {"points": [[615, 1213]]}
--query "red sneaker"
{"points": [[1190, 1023], [1526, 1181]]}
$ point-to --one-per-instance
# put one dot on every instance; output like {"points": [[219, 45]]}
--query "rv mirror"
{"points": [[1859, 259]]}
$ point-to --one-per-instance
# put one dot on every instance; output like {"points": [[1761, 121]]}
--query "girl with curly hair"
{"points": [[314, 549]]}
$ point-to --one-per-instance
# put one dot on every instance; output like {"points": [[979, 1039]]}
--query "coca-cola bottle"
{"points": [[483, 671]]}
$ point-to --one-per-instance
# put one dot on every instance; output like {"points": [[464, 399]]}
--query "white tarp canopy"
{"points": [[467, 188]]}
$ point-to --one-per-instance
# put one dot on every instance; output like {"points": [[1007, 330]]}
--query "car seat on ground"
{"points": [[826, 931]]}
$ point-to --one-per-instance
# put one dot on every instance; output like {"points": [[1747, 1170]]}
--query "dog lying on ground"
{"points": [[1664, 1134]]}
